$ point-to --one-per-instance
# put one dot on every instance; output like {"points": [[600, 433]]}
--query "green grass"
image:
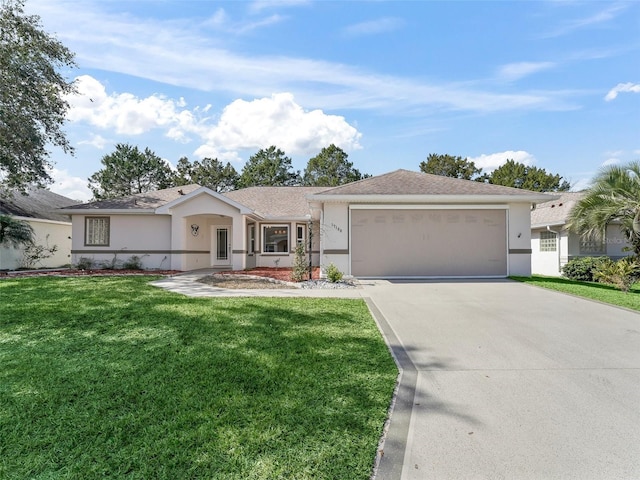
{"points": [[112, 377], [594, 291]]}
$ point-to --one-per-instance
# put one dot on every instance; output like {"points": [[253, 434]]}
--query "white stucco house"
{"points": [[553, 245], [400, 224], [40, 208]]}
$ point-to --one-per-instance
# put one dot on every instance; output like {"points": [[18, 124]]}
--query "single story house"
{"points": [[40, 208], [400, 224], [553, 245]]}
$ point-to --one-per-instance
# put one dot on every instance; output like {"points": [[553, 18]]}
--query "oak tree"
{"points": [[33, 94]]}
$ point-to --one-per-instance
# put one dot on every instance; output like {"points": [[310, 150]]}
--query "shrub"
{"points": [[622, 274], [582, 268], [85, 263], [333, 273], [133, 263], [34, 254], [299, 272]]}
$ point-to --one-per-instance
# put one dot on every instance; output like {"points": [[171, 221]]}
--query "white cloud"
{"points": [[490, 162], [620, 88], [125, 113], [610, 161], [258, 6], [96, 141], [69, 186], [374, 27], [515, 71], [603, 16], [276, 120]]}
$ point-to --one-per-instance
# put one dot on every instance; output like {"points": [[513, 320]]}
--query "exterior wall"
{"points": [[195, 252], [146, 236], [549, 263], [47, 233], [519, 239], [334, 237], [615, 244]]}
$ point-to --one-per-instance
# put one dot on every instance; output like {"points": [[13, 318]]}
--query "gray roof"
{"points": [[405, 182], [37, 203], [275, 202], [144, 201], [555, 212]]}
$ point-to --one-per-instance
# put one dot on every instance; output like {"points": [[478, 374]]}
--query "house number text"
{"points": [[336, 227]]}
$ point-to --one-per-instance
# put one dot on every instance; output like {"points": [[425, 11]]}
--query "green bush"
{"points": [[622, 274], [582, 268], [300, 270], [85, 263], [333, 273], [133, 263]]}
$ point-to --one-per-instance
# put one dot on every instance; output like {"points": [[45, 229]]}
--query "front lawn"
{"points": [[594, 291], [112, 377]]}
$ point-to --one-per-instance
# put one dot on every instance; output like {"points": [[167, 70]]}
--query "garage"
{"points": [[434, 242]]}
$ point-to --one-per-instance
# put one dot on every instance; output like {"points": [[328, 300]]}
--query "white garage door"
{"points": [[432, 243]]}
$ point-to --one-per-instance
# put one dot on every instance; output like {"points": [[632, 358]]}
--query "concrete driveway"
{"points": [[507, 381]]}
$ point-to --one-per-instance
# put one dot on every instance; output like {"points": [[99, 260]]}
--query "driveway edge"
{"points": [[393, 445]]}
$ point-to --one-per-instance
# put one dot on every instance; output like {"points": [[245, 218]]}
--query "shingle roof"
{"points": [[555, 212], [275, 202], [38, 203], [405, 182], [145, 201]]}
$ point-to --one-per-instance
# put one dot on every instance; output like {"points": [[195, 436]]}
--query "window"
{"points": [[96, 231], [548, 241], [251, 234], [590, 245], [275, 239], [300, 234]]}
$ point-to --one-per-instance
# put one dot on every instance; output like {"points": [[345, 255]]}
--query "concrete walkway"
{"points": [[499, 380], [187, 284]]}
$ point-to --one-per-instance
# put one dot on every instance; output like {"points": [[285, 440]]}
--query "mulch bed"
{"points": [[70, 272]]}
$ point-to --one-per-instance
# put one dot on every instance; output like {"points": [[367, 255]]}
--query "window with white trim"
{"points": [[548, 241], [275, 239], [96, 231], [301, 236]]}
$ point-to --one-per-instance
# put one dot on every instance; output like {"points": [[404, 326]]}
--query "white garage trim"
{"points": [[495, 266]]}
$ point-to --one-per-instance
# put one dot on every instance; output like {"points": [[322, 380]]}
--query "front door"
{"points": [[222, 246]]}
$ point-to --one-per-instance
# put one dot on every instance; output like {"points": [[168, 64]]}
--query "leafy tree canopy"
{"points": [[330, 168], [14, 233], [210, 172], [269, 168], [450, 166], [519, 175], [128, 171], [614, 195], [32, 97]]}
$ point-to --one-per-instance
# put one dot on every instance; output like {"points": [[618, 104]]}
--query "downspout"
{"points": [[558, 243]]}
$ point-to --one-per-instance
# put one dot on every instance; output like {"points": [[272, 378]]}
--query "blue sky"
{"points": [[555, 84]]}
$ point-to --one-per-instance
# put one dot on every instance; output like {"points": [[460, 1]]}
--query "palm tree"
{"points": [[14, 232], [613, 196]]}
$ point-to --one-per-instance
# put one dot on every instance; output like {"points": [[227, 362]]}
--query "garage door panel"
{"points": [[428, 242]]}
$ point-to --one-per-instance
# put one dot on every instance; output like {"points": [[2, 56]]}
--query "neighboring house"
{"points": [[399, 224], [40, 208], [553, 245]]}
